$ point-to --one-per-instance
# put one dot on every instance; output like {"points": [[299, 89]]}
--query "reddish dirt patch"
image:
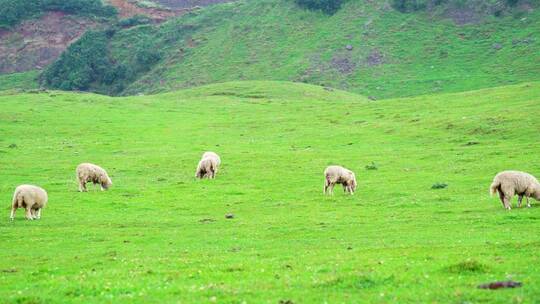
{"points": [[189, 3], [127, 9], [33, 44]]}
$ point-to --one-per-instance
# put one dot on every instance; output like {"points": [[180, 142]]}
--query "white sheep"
{"points": [[339, 175], [213, 155], [510, 183], [31, 198], [208, 165], [87, 172]]}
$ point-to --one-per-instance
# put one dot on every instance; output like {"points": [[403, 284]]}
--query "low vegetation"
{"points": [[494, 6], [14, 11], [327, 6], [262, 231]]}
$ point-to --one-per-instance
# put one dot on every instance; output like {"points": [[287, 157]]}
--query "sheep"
{"points": [[208, 165], [32, 198], [339, 175], [510, 183], [87, 172], [214, 155]]}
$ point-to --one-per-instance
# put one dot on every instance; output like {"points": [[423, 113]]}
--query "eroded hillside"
{"points": [[35, 43]]}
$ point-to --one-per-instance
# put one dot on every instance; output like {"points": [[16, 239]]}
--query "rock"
{"points": [[375, 58], [229, 216], [497, 46], [349, 47], [497, 285], [372, 98]]}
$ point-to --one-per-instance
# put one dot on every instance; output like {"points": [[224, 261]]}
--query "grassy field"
{"points": [[158, 235], [25, 80]]}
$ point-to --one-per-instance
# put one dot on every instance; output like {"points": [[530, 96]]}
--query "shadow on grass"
{"points": [[361, 281]]}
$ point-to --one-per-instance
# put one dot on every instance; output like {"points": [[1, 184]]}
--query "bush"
{"points": [[14, 11], [146, 56], [83, 63], [88, 64], [327, 6], [135, 20], [405, 6]]}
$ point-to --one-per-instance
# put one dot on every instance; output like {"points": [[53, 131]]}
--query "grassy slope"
{"points": [[273, 39], [25, 80], [160, 236]]}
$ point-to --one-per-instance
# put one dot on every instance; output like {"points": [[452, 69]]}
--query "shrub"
{"points": [[409, 5], [84, 62], [146, 56], [14, 11], [133, 21], [327, 6], [88, 64]]}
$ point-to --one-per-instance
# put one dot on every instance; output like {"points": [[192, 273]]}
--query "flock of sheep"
{"points": [[33, 198]]}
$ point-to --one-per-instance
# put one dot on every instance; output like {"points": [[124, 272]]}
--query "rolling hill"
{"points": [[367, 47], [159, 235]]}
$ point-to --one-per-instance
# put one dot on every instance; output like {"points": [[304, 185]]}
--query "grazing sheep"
{"points": [[92, 173], [339, 175], [510, 183], [212, 155], [208, 166], [31, 198]]}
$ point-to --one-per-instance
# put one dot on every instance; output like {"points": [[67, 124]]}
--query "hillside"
{"points": [[159, 235], [366, 47], [34, 33]]}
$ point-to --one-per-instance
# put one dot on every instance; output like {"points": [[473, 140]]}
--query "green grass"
{"points": [[158, 235], [24, 80]]}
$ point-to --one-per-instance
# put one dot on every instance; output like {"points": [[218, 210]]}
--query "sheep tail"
{"points": [[494, 187]]}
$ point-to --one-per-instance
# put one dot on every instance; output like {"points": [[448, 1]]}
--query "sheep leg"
{"points": [[528, 203], [29, 213], [507, 203], [501, 196], [13, 210], [38, 214], [332, 188], [82, 186], [33, 213], [520, 197]]}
